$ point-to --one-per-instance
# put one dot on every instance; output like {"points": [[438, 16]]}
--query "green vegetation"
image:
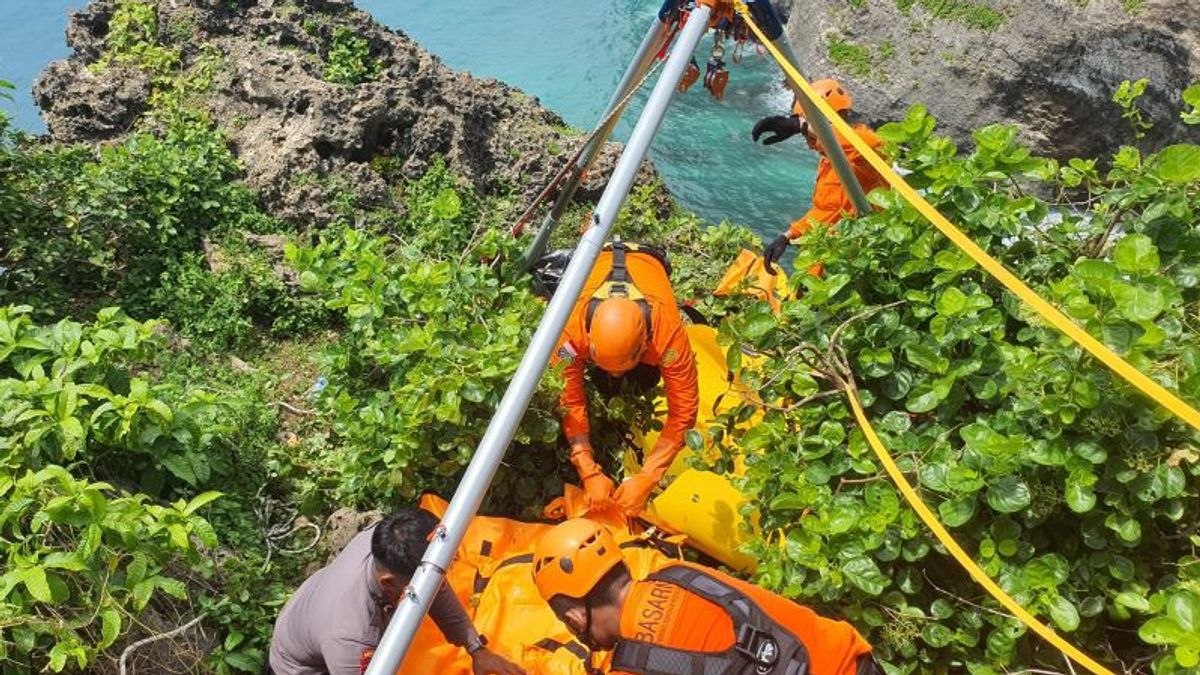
{"points": [[858, 60], [155, 459], [852, 58], [350, 61], [1068, 487], [977, 15], [1126, 97]]}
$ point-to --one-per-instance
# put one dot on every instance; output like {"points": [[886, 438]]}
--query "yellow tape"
{"points": [[1120, 366], [1048, 311], [957, 551]]}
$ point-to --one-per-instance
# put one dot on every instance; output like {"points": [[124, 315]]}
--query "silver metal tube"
{"points": [[415, 601], [824, 131], [647, 51]]}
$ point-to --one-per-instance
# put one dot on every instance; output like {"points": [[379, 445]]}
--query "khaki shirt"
{"points": [[335, 619]]}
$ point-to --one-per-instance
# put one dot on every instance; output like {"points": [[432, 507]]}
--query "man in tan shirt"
{"points": [[336, 618]]}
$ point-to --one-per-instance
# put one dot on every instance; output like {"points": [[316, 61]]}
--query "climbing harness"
{"points": [[620, 284], [761, 647]]}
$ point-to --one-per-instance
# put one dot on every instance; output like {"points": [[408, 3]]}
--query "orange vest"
{"points": [[669, 615]]}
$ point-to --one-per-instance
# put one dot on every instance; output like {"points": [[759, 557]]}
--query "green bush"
{"points": [[80, 393], [1070, 488], [349, 60], [79, 226], [82, 560], [433, 335]]}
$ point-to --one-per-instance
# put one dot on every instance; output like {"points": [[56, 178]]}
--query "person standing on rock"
{"points": [[334, 621], [627, 324], [830, 199]]}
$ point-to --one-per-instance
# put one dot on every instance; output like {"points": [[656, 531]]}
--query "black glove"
{"points": [[774, 251], [782, 127]]}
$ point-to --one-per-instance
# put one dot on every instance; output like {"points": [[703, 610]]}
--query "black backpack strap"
{"points": [[644, 658], [756, 648], [619, 283]]}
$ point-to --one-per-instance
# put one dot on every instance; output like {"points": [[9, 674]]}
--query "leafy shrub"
{"points": [[133, 39], [349, 60], [226, 308], [73, 392], [432, 337], [82, 560], [1068, 486], [79, 226]]}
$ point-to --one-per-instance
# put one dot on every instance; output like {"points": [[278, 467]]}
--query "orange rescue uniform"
{"points": [[830, 199], [668, 349], [665, 614]]}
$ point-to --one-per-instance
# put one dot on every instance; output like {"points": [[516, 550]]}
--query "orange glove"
{"points": [[599, 488], [634, 493]]}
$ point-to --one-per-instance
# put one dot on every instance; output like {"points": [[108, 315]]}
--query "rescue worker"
{"points": [[627, 323], [830, 199], [333, 622], [684, 618]]}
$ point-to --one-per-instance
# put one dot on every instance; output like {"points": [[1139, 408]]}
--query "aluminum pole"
{"points": [[647, 52], [415, 601], [765, 16]]}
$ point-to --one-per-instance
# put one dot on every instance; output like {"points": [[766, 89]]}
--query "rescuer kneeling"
{"points": [[684, 618], [627, 323]]}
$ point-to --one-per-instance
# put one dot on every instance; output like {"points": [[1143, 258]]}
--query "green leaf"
{"points": [[1135, 601], [1184, 608], [937, 635], [142, 592], [1179, 163], [1161, 630], [957, 512], [172, 587], [200, 500], [923, 399], [1080, 498], [179, 536], [1127, 528], [244, 661], [1136, 254], [110, 627], [926, 357], [951, 302], [1008, 494], [865, 574], [1064, 614], [1137, 302], [36, 583], [180, 466]]}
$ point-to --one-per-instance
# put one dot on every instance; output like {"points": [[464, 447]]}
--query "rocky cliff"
{"points": [[1049, 66], [316, 97]]}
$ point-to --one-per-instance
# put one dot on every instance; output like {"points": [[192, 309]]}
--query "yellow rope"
{"points": [[1026, 294], [957, 551], [1121, 367]]}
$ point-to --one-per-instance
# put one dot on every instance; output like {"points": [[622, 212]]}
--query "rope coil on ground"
{"points": [[1049, 312]]}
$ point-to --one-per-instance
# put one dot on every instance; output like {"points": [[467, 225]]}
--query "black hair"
{"points": [[399, 540]]}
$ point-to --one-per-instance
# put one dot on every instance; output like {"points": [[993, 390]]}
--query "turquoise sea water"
{"points": [[569, 55]]}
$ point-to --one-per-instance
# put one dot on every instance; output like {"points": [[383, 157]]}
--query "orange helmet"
{"points": [[573, 557], [834, 94], [617, 335]]}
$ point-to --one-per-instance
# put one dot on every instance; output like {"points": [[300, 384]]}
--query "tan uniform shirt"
{"points": [[337, 616]]}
